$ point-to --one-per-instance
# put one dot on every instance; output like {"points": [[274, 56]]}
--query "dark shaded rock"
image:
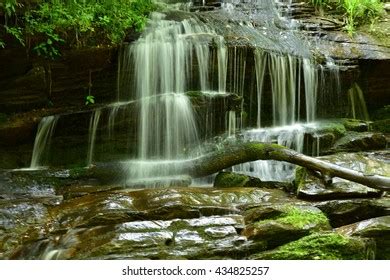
{"points": [[230, 179], [283, 223], [354, 142], [376, 228], [381, 126], [344, 212], [322, 246], [310, 186]]}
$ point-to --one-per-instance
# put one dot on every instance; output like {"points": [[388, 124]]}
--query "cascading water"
{"points": [[163, 59], [172, 58], [42, 140], [93, 125]]}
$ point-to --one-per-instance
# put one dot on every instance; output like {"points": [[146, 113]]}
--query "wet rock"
{"points": [[344, 212], [322, 246], [22, 221], [309, 186], [231, 179], [279, 224], [109, 208], [376, 228], [354, 142], [206, 237]]}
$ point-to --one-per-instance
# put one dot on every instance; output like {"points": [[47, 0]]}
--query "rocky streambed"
{"points": [[63, 218]]}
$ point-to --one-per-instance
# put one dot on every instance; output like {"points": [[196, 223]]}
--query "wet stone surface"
{"points": [[313, 188]]}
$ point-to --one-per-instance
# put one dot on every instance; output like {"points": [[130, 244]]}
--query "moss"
{"points": [[322, 246], [336, 128], [300, 218], [230, 179], [355, 125]]}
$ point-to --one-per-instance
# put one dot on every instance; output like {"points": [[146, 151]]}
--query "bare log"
{"points": [[246, 152]]}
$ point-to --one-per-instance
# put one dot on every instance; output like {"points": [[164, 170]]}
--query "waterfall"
{"points": [[93, 125], [232, 127], [357, 103], [42, 141]]}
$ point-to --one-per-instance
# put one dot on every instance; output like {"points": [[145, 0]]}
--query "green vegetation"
{"points": [[46, 26], [356, 12], [322, 246], [300, 218]]}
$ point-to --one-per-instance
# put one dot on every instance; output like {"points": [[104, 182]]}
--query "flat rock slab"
{"points": [[314, 188]]}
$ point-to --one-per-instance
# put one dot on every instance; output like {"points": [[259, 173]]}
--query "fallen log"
{"points": [[236, 154]]}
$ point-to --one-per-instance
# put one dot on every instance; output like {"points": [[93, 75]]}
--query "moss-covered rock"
{"points": [[355, 125], [283, 223], [322, 246], [231, 179]]}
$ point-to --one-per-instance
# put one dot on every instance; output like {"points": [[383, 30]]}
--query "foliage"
{"points": [[89, 99], [46, 25], [357, 12]]}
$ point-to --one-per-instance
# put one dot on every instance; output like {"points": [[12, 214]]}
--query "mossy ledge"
{"points": [[322, 246]]}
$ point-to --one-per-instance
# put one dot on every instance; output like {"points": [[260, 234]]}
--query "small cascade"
{"points": [[290, 136], [358, 108], [232, 121], [42, 141], [93, 125], [286, 78]]}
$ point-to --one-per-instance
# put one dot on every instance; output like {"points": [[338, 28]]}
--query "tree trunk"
{"points": [[240, 153]]}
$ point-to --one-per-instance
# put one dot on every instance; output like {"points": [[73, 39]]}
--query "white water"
{"points": [[290, 136], [42, 141], [93, 125]]}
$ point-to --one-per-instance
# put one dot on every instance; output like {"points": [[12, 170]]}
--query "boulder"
{"points": [[279, 224], [322, 246]]}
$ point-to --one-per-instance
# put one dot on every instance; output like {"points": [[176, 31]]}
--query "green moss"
{"points": [[300, 218], [355, 125], [336, 128], [322, 246], [230, 179]]}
